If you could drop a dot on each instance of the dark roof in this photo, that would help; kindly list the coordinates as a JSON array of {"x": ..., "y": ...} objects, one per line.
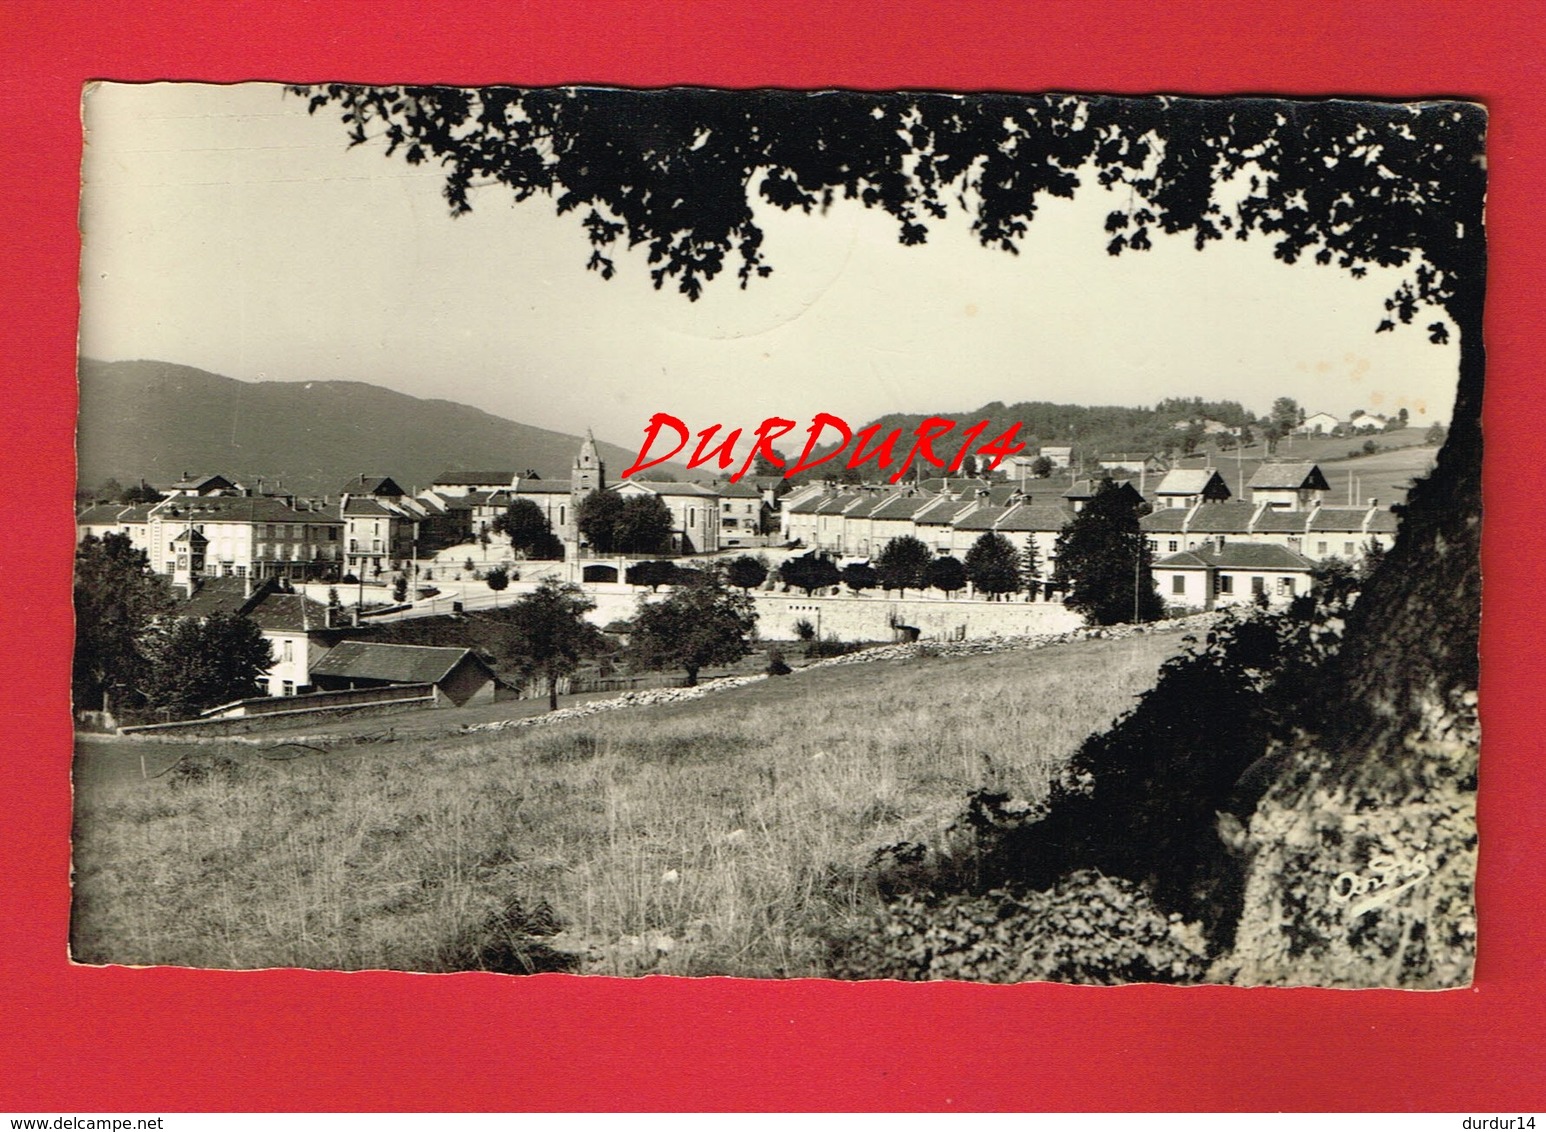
[
  {"x": 1351, "y": 519},
  {"x": 473, "y": 478},
  {"x": 902, "y": 507},
  {"x": 1222, "y": 518},
  {"x": 363, "y": 505},
  {"x": 1290, "y": 477},
  {"x": 867, "y": 506},
  {"x": 1238, "y": 556},
  {"x": 981, "y": 519},
  {"x": 1086, "y": 489},
  {"x": 191, "y": 536},
  {"x": 543, "y": 487},
  {"x": 941, "y": 511},
  {"x": 101, "y": 513},
  {"x": 216, "y": 595},
  {"x": 399, "y": 664},
  {"x": 674, "y": 488},
  {"x": 837, "y": 504},
  {"x": 808, "y": 505},
  {"x": 240, "y": 509},
  {"x": 1384, "y": 521},
  {"x": 1273, "y": 521},
  {"x": 738, "y": 491},
  {"x": 1034, "y": 517},
  {"x": 279, "y": 612},
  {"x": 371, "y": 485},
  {"x": 1164, "y": 519}
]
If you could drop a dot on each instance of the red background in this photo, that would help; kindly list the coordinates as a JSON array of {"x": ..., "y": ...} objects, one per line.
[{"x": 122, "y": 1040}]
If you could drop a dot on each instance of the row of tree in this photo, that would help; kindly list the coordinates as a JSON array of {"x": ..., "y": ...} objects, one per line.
[{"x": 129, "y": 651}]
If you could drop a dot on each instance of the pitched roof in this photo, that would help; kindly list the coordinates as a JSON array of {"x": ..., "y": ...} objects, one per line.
[
  {"x": 675, "y": 488},
  {"x": 543, "y": 487},
  {"x": 460, "y": 478},
  {"x": 1237, "y": 556},
  {"x": 1165, "y": 519},
  {"x": 807, "y": 506},
  {"x": 941, "y": 511},
  {"x": 363, "y": 505},
  {"x": 1034, "y": 517},
  {"x": 1228, "y": 518},
  {"x": 216, "y": 595},
  {"x": 1186, "y": 481},
  {"x": 1289, "y": 477},
  {"x": 1273, "y": 521},
  {"x": 101, "y": 513},
  {"x": 400, "y": 664},
  {"x": 239, "y": 509},
  {"x": 1086, "y": 489},
  {"x": 837, "y": 504},
  {"x": 279, "y": 612},
  {"x": 902, "y": 507},
  {"x": 1385, "y": 522},
  {"x": 738, "y": 491},
  {"x": 982, "y": 519},
  {"x": 371, "y": 485}
]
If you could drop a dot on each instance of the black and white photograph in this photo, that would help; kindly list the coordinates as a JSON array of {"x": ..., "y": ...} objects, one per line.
[{"x": 999, "y": 537}]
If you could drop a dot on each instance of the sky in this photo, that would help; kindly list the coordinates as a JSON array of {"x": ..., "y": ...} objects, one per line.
[{"x": 224, "y": 228}]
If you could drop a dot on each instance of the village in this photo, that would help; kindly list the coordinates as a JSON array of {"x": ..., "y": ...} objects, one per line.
[{"x": 313, "y": 574}]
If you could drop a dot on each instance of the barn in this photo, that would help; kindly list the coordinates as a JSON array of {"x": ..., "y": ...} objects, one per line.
[{"x": 459, "y": 676}]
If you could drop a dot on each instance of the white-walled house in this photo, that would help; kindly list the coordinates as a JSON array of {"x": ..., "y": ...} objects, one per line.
[
  {"x": 1224, "y": 573},
  {"x": 695, "y": 519}
]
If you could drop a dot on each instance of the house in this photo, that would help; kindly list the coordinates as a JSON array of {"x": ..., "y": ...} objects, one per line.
[
  {"x": 1083, "y": 491},
  {"x": 202, "y": 486},
  {"x": 1060, "y": 455},
  {"x": 1221, "y": 573},
  {"x": 298, "y": 630},
  {"x": 460, "y": 482},
  {"x": 694, "y": 508},
  {"x": 1135, "y": 464},
  {"x": 379, "y": 535},
  {"x": 458, "y": 675},
  {"x": 1319, "y": 423},
  {"x": 1288, "y": 487},
  {"x": 744, "y": 512},
  {"x": 244, "y": 536},
  {"x": 1187, "y": 487}
]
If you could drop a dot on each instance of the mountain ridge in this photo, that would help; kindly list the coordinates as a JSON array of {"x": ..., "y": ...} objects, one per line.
[{"x": 156, "y": 420}]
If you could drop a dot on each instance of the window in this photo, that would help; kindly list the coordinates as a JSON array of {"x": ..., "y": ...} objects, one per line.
[
  {"x": 288, "y": 652},
  {"x": 1226, "y": 583},
  {"x": 1348, "y": 548},
  {"x": 1320, "y": 548},
  {"x": 289, "y": 688},
  {"x": 1175, "y": 545},
  {"x": 1258, "y": 585},
  {"x": 1285, "y": 587},
  {"x": 241, "y": 571},
  {"x": 1178, "y": 584}
]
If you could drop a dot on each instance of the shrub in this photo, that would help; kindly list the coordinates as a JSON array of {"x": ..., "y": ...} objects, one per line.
[
  {"x": 1088, "y": 929},
  {"x": 804, "y": 630},
  {"x": 777, "y": 666}
]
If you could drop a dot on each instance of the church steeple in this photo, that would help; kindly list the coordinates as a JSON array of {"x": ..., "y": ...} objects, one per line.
[{"x": 588, "y": 475}]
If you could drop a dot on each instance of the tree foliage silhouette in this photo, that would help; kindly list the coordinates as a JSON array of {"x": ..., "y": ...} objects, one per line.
[{"x": 1342, "y": 184}]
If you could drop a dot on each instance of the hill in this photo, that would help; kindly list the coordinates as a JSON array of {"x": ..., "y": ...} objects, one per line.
[{"x": 157, "y": 420}]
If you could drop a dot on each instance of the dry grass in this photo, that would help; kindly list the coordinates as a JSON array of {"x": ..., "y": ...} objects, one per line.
[{"x": 729, "y": 835}]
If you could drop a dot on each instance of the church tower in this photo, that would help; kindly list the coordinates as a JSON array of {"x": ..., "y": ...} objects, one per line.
[{"x": 588, "y": 474}]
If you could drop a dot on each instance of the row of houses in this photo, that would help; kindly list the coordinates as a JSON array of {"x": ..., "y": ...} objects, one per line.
[
  {"x": 212, "y": 527},
  {"x": 1209, "y": 548}
]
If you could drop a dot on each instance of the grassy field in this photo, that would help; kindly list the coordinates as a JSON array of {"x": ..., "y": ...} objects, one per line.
[
  {"x": 728, "y": 835},
  {"x": 1385, "y": 475}
]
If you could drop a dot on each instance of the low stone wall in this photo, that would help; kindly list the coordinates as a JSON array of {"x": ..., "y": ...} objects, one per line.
[
  {"x": 188, "y": 729},
  {"x": 871, "y": 618}
]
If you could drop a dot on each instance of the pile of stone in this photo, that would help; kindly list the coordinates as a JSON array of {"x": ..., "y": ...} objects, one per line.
[
  {"x": 646, "y": 697},
  {"x": 983, "y": 645}
]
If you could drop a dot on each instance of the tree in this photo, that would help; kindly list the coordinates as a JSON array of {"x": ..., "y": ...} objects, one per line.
[
  {"x": 699, "y": 624},
  {"x": 809, "y": 572},
  {"x": 992, "y": 565},
  {"x": 549, "y": 635},
  {"x": 527, "y": 527},
  {"x": 947, "y": 574},
  {"x": 596, "y": 517},
  {"x": 400, "y": 588},
  {"x": 653, "y": 573},
  {"x": 1345, "y": 185},
  {"x": 1030, "y": 567},
  {"x": 497, "y": 579},
  {"x": 199, "y": 663},
  {"x": 1103, "y": 562},
  {"x": 117, "y": 601},
  {"x": 1285, "y": 414},
  {"x": 643, "y": 526},
  {"x": 860, "y": 576},
  {"x": 1041, "y": 467},
  {"x": 1436, "y": 434},
  {"x": 746, "y": 572},
  {"x": 904, "y": 564}
]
